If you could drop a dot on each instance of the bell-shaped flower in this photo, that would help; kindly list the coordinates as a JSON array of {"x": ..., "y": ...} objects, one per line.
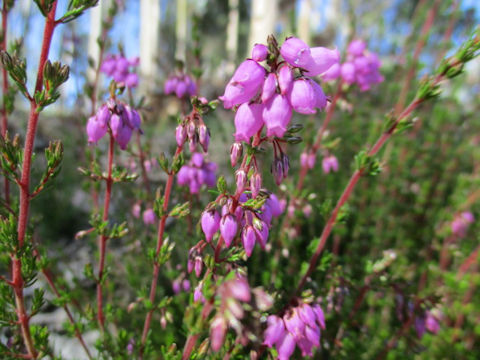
[
  {"x": 244, "y": 84},
  {"x": 276, "y": 115},
  {"x": 248, "y": 121},
  {"x": 95, "y": 129},
  {"x": 285, "y": 79},
  {"x": 269, "y": 87},
  {"x": 348, "y": 72},
  {"x": 228, "y": 229},
  {"x": 275, "y": 331},
  {"x": 332, "y": 73},
  {"x": 321, "y": 102},
  {"x": 149, "y": 217},
  {"x": 323, "y": 60},
  {"x": 286, "y": 346},
  {"x": 356, "y": 47},
  {"x": 296, "y": 52},
  {"x": 248, "y": 239},
  {"x": 302, "y": 97},
  {"x": 210, "y": 223}
]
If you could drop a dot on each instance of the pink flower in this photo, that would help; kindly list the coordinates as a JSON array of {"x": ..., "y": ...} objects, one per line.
[
  {"x": 228, "y": 229},
  {"x": 276, "y": 115},
  {"x": 149, "y": 217},
  {"x": 296, "y": 52},
  {"x": 323, "y": 60},
  {"x": 330, "y": 163},
  {"x": 269, "y": 87},
  {"x": 210, "y": 223},
  {"x": 302, "y": 97},
  {"x": 248, "y": 121},
  {"x": 248, "y": 239},
  {"x": 245, "y": 83},
  {"x": 356, "y": 47}
]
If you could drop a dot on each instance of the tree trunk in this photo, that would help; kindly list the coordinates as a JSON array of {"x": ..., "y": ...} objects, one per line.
[
  {"x": 264, "y": 14},
  {"x": 303, "y": 20},
  {"x": 181, "y": 30},
  {"x": 95, "y": 29},
  {"x": 232, "y": 34},
  {"x": 149, "y": 43}
]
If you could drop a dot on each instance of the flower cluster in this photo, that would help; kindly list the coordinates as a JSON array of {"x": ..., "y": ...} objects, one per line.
[
  {"x": 197, "y": 172},
  {"x": 300, "y": 325},
  {"x": 361, "y": 67},
  {"x": 117, "y": 118},
  {"x": 180, "y": 85},
  {"x": 119, "y": 68},
  {"x": 267, "y": 96},
  {"x": 461, "y": 223},
  {"x": 195, "y": 131},
  {"x": 180, "y": 284},
  {"x": 253, "y": 224},
  {"x": 232, "y": 293}
]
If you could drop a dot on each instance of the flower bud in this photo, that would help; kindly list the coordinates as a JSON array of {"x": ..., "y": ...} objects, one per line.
[
  {"x": 259, "y": 52},
  {"x": 149, "y": 217},
  {"x": 236, "y": 152},
  {"x": 191, "y": 129},
  {"x": 255, "y": 184},
  {"x": 285, "y": 165},
  {"x": 198, "y": 266},
  {"x": 180, "y": 135},
  {"x": 277, "y": 171},
  {"x": 248, "y": 239},
  {"x": 240, "y": 179},
  {"x": 204, "y": 137},
  {"x": 136, "y": 210}
]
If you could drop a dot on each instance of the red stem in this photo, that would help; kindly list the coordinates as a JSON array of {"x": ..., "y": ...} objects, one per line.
[
  {"x": 102, "y": 240},
  {"x": 156, "y": 266},
  {"x": 24, "y": 184},
  {"x": 141, "y": 156},
  {"x": 348, "y": 191}
]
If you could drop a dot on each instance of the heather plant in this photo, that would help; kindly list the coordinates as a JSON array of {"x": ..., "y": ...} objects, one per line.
[{"x": 319, "y": 214}]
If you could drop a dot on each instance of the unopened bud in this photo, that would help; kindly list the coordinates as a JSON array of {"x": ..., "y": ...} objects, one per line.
[
  {"x": 236, "y": 152},
  {"x": 180, "y": 135},
  {"x": 255, "y": 184},
  {"x": 240, "y": 179}
]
